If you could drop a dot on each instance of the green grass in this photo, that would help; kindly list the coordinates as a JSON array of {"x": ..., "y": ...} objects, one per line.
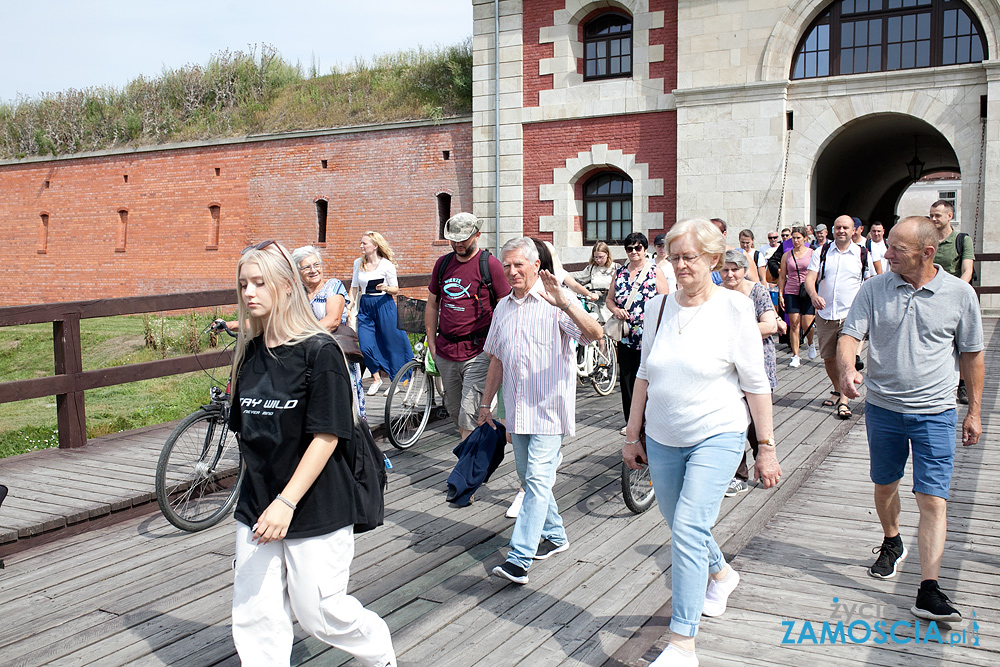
[
  {"x": 26, "y": 352},
  {"x": 239, "y": 93}
]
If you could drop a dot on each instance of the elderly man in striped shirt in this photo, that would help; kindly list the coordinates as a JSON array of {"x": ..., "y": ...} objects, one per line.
[{"x": 530, "y": 347}]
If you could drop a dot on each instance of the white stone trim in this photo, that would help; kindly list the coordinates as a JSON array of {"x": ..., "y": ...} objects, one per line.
[
  {"x": 571, "y": 96},
  {"x": 566, "y": 208}
]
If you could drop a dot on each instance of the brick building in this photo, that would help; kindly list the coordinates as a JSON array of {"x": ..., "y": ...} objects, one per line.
[
  {"x": 762, "y": 112},
  {"x": 167, "y": 219}
]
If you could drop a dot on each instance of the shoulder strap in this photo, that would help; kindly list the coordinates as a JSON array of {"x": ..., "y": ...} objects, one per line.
[
  {"x": 639, "y": 280},
  {"x": 822, "y": 263},
  {"x": 442, "y": 268},
  {"x": 960, "y": 246},
  {"x": 868, "y": 245},
  {"x": 485, "y": 277},
  {"x": 864, "y": 261}
]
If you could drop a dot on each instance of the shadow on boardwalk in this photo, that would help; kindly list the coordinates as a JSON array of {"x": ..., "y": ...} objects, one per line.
[{"x": 138, "y": 591}]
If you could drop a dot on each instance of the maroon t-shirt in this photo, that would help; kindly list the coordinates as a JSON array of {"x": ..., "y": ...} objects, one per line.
[{"x": 464, "y": 304}]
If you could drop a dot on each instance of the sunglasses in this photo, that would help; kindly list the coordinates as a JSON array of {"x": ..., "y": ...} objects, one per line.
[
  {"x": 264, "y": 244},
  {"x": 634, "y": 248}
]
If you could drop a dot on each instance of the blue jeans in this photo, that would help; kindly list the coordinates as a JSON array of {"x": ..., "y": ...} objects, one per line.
[
  {"x": 535, "y": 457},
  {"x": 690, "y": 483}
]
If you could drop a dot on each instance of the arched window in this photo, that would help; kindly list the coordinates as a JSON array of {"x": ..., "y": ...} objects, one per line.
[
  {"x": 607, "y": 47},
  {"x": 607, "y": 208},
  {"x": 855, "y": 36}
]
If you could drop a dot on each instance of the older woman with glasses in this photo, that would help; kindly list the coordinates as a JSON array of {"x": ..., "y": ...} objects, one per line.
[
  {"x": 634, "y": 284},
  {"x": 734, "y": 273},
  {"x": 701, "y": 357},
  {"x": 328, "y": 300}
]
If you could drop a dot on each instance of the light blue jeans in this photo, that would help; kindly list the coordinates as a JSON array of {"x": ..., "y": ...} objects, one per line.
[
  {"x": 536, "y": 458},
  {"x": 690, "y": 483}
]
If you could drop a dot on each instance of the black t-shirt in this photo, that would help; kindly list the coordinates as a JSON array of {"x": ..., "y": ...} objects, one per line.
[{"x": 277, "y": 406}]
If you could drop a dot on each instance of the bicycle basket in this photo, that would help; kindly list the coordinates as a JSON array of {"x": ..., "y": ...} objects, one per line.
[{"x": 410, "y": 314}]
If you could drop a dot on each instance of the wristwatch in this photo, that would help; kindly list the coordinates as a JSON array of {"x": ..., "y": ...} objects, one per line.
[{"x": 769, "y": 441}]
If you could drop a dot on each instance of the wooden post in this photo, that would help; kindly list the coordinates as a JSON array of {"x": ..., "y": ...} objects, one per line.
[{"x": 69, "y": 361}]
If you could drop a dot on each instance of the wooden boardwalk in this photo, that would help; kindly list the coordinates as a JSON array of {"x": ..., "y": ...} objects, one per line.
[{"x": 137, "y": 591}]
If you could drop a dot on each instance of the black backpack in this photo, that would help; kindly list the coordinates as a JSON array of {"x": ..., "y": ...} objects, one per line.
[{"x": 484, "y": 274}]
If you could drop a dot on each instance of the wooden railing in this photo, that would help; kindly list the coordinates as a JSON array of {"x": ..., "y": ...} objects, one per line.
[
  {"x": 70, "y": 381},
  {"x": 987, "y": 257}
]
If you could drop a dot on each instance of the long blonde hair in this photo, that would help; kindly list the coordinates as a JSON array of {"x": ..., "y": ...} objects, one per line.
[
  {"x": 291, "y": 320},
  {"x": 382, "y": 248},
  {"x": 601, "y": 246}
]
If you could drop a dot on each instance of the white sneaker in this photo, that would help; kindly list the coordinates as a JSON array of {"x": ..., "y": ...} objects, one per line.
[
  {"x": 673, "y": 656},
  {"x": 372, "y": 390},
  {"x": 717, "y": 595},
  {"x": 388, "y": 387},
  {"x": 515, "y": 507},
  {"x": 812, "y": 351},
  {"x": 624, "y": 428},
  {"x": 794, "y": 363}
]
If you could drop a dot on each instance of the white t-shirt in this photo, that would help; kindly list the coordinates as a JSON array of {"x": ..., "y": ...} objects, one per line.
[
  {"x": 877, "y": 250},
  {"x": 698, "y": 371},
  {"x": 668, "y": 270},
  {"x": 384, "y": 272}
]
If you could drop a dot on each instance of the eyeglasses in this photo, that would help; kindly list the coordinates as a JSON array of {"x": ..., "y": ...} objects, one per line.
[
  {"x": 688, "y": 259},
  {"x": 315, "y": 266},
  {"x": 264, "y": 244},
  {"x": 634, "y": 248}
]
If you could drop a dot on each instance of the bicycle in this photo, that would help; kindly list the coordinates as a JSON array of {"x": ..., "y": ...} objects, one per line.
[
  {"x": 199, "y": 471},
  {"x": 410, "y": 399},
  {"x": 637, "y": 489},
  {"x": 597, "y": 361}
]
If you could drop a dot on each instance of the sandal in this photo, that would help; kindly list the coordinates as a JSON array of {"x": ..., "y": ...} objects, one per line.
[
  {"x": 843, "y": 411},
  {"x": 830, "y": 402}
]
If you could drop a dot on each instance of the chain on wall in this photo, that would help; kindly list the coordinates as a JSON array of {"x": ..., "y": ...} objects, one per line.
[
  {"x": 982, "y": 181},
  {"x": 784, "y": 178}
]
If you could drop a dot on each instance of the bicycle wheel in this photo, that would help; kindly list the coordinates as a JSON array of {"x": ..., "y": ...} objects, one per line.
[
  {"x": 637, "y": 489},
  {"x": 605, "y": 368},
  {"x": 199, "y": 472},
  {"x": 408, "y": 405}
]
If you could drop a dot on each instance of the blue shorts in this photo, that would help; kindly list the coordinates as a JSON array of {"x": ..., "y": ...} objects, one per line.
[
  {"x": 890, "y": 436},
  {"x": 798, "y": 304}
]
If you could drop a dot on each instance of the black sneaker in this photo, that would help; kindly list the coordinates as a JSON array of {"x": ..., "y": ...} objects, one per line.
[
  {"x": 963, "y": 395},
  {"x": 932, "y": 604},
  {"x": 889, "y": 555},
  {"x": 515, "y": 573},
  {"x": 548, "y": 548}
]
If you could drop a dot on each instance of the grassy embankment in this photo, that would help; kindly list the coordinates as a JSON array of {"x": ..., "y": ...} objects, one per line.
[
  {"x": 26, "y": 352},
  {"x": 237, "y": 94}
]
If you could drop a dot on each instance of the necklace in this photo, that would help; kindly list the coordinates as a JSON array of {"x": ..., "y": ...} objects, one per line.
[{"x": 680, "y": 327}]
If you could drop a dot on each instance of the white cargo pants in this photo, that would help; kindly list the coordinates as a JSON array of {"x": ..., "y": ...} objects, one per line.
[{"x": 306, "y": 576}]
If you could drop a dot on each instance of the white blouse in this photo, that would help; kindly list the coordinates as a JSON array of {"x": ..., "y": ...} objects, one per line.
[
  {"x": 699, "y": 362},
  {"x": 384, "y": 272}
]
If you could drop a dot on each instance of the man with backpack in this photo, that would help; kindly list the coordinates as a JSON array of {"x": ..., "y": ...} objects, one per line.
[
  {"x": 464, "y": 288},
  {"x": 955, "y": 255},
  {"x": 835, "y": 274}
]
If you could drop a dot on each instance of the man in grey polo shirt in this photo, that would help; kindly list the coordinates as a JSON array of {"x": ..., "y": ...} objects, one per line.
[{"x": 922, "y": 325}]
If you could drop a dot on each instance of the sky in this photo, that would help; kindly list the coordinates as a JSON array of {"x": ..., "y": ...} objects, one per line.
[{"x": 61, "y": 44}]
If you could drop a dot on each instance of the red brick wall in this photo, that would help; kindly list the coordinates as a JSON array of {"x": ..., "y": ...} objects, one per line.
[
  {"x": 538, "y": 14},
  {"x": 385, "y": 180},
  {"x": 651, "y": 137}
]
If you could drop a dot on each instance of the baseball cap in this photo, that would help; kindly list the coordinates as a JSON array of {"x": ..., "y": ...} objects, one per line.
[
  {"x": 660, "y": 239},
  {"x": 857, "y": 222},
  {"x": 821, "y": 228},
  {"x": 461, "y": 227}
]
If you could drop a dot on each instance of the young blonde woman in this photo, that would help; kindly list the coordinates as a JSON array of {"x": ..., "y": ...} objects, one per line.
[
  {"x": 385, "y": 348},
  {"x": 292, "y": 408}
]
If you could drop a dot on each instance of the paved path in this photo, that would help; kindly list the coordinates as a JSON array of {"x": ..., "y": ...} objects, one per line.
[{"x": 140, "y": 592}]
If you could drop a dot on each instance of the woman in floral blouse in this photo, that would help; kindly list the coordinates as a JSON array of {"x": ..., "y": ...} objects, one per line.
[{"x": 638, "y": 276}]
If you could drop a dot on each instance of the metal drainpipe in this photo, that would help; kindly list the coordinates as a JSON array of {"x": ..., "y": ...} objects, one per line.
[{"x": 496, "y": 120}]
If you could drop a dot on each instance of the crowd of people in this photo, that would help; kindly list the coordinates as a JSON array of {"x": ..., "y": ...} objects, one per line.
[{"x": 695, "y": 327}]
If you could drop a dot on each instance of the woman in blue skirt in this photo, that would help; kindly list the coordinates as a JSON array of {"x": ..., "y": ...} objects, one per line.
[{"x": 385, "y": 348}]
